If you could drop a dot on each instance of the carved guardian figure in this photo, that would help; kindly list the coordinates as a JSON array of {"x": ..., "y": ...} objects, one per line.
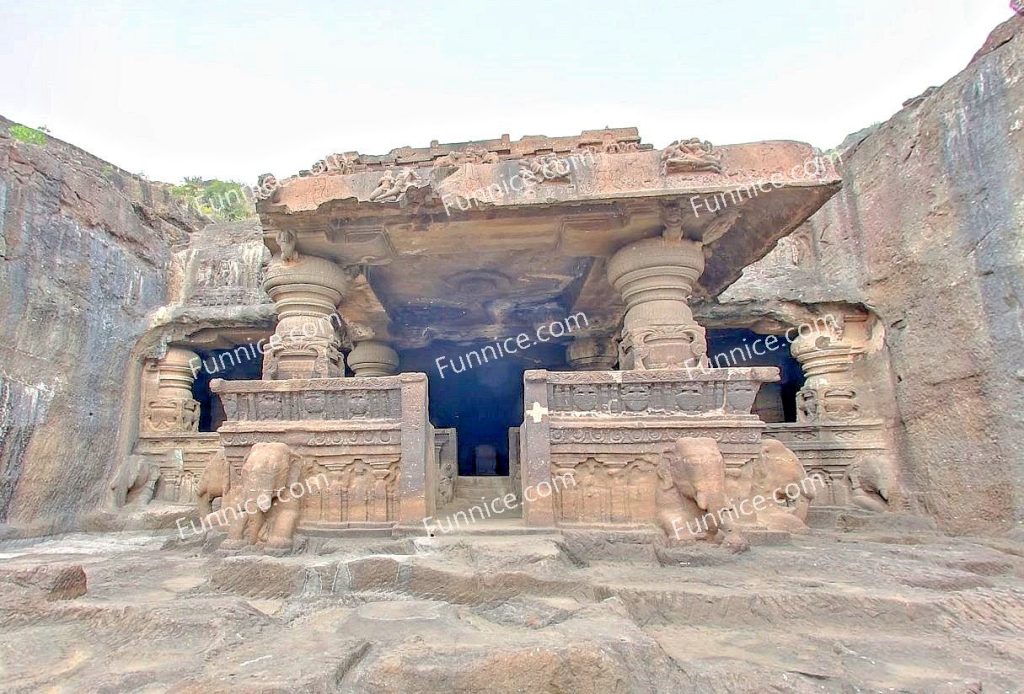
[
  {"x": 214, "y": 483},
  {"x": 779, "y": 477},
  {"x": 134, "y": 483},
  {"x": 691, "y": 499},
  {"x": 268, "y": 508}
]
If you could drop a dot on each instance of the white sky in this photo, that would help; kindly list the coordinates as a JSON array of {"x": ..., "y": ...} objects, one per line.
[{"x": 235, "y": 89}]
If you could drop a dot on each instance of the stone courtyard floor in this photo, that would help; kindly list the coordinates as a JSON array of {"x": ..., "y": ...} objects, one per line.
[{"x": 827, "y": 612}]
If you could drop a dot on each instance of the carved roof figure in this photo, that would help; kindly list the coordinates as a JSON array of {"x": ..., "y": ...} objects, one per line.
[
  {"x": 391, "y": 188},
  {"x": 690, "y": 155}
]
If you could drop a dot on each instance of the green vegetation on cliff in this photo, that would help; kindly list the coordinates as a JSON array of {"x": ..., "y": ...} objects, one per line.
[
  {"x": 23, "y": 133},
  {"x": 224, "y": 201}
]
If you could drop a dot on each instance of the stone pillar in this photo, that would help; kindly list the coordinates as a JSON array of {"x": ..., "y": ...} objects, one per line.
[
  {"x": 373, "y": 358},
  {"x": 171, "y": 407},
  {"x": 306, "y": 292},
  {"x": 535, "y": 452},
  {"x": 656, "y": 277},
  {"x": 828, "y": 393},
  {"x": 594, "y": 353}
]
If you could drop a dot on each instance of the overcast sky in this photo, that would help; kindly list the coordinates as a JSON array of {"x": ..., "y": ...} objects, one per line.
[{"x": 235, "y": 89}]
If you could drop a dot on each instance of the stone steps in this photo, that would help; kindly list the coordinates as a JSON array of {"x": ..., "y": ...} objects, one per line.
[{"x": 490, "y": 487}]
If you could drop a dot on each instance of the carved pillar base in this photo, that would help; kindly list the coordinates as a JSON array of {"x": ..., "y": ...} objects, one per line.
[
  {"x": 656, "y": 277},
  {"x": 373, "y": 358},
  {"x": 306, "y": 292}
]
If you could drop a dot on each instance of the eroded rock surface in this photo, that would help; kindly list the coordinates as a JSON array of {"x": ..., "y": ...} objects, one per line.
[
  {"x": 84, "y": 251},
  {"x": 926, "y": 233},
  {"x": 831, "y": 612}
]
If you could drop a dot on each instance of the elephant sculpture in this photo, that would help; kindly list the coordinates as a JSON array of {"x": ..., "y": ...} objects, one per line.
[
  {"x": 214, "y": 483},
  {"x": 134, "y": 483},
  {"x": 691, "y": 499},
  {"x": 780, "y": 479},
  {"x": 267, "y": 507},
  {"x": 870, "y": 485}
]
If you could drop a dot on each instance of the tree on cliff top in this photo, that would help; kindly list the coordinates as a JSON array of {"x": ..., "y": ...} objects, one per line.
[{"x": 224, "y": 201}]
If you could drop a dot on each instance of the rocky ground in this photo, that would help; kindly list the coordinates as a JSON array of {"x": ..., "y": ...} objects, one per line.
[{"x": 874, "y": 610}]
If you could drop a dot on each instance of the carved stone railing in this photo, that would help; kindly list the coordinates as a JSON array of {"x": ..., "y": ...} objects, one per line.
[
  {"x": 607, "y": 430},
  {"x": 182, "y": 457},
  {"x": 828, "y": 450},
  {"x": 369, "y": 437}
]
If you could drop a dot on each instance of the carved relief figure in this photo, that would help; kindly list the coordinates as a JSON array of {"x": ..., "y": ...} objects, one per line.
[
  {"x": 690, "y": 156},
  {"x": 691, "y": 494},
  {"x": 391, "y": 188},
  {"x": 134, "y": 483},
  {"x": 547, "y": 168},
  {"x": 270, "y": 512},
  {"x": 779, "y": 477},
  {"x": 470, "y": 155},
  {"x": 214, "y": 483},
  {"x": 807, "y": 405},
  {"x": 841, "y": 404},
  {"x": 287, "y": 241},
  {"x": 168, "y": 415}
]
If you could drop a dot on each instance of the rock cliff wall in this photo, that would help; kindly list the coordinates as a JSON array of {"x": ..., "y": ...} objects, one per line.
[
  {"x": 928, "y": 233},
  {"x": 84, "y": 255}
]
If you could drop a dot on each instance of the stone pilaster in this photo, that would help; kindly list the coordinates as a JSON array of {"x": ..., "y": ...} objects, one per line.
[
  {"x": 373, "y": 358},
  {"x": 306, "y": 291},
  {"x": 656, "y": 277},
  {"x": 593, "y": 353},
  {"x": 828, "y": 393},
  {"x": 170, "y": 407}
]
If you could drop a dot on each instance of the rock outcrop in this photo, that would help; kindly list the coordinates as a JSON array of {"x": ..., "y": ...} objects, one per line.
[{"x": 926, "y": 233}]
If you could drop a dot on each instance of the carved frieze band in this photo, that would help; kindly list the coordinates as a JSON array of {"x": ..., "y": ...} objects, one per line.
[
  {"x": 378, "y": 437},
  {"x": 313, "y": 405},
  {"x": 566, "y": 435},
  {"x": 692, "y": 397}
]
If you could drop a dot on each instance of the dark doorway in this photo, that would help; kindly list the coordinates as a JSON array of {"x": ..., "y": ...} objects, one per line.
[
  {"x": 241, "y": 362},
  {"x": 776, "y": 402},
  {"x": 484, "y": 398}
]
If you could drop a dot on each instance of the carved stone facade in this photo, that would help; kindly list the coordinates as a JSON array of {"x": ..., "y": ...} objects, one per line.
[
  {"x": 368, "y": 437},
  {"x": 369, "y": 239},
  {"x": 609, "y": 430}
]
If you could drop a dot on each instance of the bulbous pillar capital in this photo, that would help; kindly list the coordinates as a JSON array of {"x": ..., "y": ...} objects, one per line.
[
  {"x": 373, "y": 358},
  {"x": 656, "y": 278},
  {"x": 306, "y": 291},
  {"x": 172, "y": 409},
  {"x": 828, "y": 393}
]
